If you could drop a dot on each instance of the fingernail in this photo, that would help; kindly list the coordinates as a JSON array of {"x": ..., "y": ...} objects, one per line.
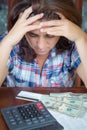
[
  {"x": 42, "y": 14},
  {"x": 41, "y": 24}
]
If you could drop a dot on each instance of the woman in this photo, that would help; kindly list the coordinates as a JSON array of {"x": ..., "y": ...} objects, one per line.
[{"x": 45, "y": 45}]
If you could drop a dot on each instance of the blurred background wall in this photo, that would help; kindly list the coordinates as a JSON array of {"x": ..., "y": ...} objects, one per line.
[
  {"x": 84, "y": 15},
  {"x": 3, "y": 16}
]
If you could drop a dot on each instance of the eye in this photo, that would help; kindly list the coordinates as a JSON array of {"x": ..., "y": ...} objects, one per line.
[
  {"x": 49, "y": 36},
  {"x": 32, "y": 34}
]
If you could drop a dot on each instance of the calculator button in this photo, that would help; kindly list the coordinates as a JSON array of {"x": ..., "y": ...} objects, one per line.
[{"x": 39, "y": 106}]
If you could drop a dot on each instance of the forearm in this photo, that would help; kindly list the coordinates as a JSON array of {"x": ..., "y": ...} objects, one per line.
[
  {"x": 82, "y": 48},
  {"x": 5, "y": 49}
]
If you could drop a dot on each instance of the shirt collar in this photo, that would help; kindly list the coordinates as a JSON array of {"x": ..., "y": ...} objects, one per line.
[{"x": 52, "y": 53}]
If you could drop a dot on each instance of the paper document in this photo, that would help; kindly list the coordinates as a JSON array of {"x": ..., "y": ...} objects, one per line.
[
  {"x": 29, "y": 95},
  {"x": 70, "y": 123}
]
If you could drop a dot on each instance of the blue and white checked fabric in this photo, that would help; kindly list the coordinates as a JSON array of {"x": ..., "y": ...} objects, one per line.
[{"x": 58, "y": 70}]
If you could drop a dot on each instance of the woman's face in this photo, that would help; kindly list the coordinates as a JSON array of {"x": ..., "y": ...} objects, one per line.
[{"x": 41, "y": 42}]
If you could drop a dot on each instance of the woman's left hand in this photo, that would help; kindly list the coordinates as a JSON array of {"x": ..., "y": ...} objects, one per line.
[{"x": 62, "y": 27}]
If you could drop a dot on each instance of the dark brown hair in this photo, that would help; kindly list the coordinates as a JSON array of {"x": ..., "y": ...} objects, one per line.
[{"x": 48, "y": 7}]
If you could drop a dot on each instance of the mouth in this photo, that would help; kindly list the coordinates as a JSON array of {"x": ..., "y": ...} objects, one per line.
[{"x": 40, "y": 51}]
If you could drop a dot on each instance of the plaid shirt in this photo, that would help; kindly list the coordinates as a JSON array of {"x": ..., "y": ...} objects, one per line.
[{"x": 58, "y": 70}]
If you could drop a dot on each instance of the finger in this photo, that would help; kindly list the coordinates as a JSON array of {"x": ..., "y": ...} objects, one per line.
[
  {"x": 51, "y": 29},
  {"x": 27, "y": 12},
  {"x": 51, "y": 23},
  {"x": 58, "y": 33},
  {"x": 34, "y": 18},
  {"x": 32, "y": 27}
]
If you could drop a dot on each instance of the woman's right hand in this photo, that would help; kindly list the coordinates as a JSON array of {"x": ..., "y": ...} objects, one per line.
[{"x": 22, "y": 26}]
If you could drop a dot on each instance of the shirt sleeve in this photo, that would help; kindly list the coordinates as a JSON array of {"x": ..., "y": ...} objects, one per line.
[
  {"x": 75, "y": 58},
  {"x": 12, "y": 61}
]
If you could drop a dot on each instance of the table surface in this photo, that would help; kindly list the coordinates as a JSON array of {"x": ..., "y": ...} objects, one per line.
[{"x": 7, "y": 96}]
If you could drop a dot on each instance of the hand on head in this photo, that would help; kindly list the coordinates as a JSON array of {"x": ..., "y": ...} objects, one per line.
[
  {"x": 61, "y": 27},
  {"x": 22, "y": 26}
]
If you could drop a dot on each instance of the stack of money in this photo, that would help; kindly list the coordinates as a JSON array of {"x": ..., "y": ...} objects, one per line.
[{"x": 68, "y": 103}]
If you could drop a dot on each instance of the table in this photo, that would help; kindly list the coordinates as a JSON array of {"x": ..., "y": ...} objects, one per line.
[{"x": 7, "y": 96}]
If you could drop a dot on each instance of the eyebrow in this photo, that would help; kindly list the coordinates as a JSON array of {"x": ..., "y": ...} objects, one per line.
[
  {"x": 33, "y": 33},
  {"x": 38, "y": 35}
]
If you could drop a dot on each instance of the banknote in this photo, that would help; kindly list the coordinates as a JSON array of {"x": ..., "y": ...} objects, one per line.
[
  {"x": 70, "y": 110},
  {"x": 84, "y": 97},
  {"x": 49, "y": 101},
  {"x": 66, "y": 94},
  {"x": 80, "y": 95},
  {"x": 76, "y": 101},
  {"x": 68, "y": 103},
  {"x": 82, "y": 112}
]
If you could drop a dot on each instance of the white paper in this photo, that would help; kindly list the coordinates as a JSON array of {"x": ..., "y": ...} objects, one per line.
[
  {"x": 31, "y": 95},
  {"x": 70, "y": 123}
]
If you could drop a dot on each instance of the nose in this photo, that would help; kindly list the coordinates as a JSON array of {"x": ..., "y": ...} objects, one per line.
[{"x": 41, "y": 43}]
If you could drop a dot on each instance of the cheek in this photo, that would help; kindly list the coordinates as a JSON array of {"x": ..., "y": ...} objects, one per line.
[
  {"x": 53, "y": 42},
  {"x": 32, "y": 41}
]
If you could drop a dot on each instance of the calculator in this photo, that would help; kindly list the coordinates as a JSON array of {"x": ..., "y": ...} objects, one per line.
[{"x": 30, "y": 116}]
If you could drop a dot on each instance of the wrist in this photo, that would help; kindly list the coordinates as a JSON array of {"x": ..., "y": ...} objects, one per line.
[
  {"x": 6, "y": 45},
  {"x": 82, "y": 39},
  {"x": 7, "y": 42}
]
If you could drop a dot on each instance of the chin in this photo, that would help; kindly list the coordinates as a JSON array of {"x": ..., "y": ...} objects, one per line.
[{"x": 42, "y": 54}]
